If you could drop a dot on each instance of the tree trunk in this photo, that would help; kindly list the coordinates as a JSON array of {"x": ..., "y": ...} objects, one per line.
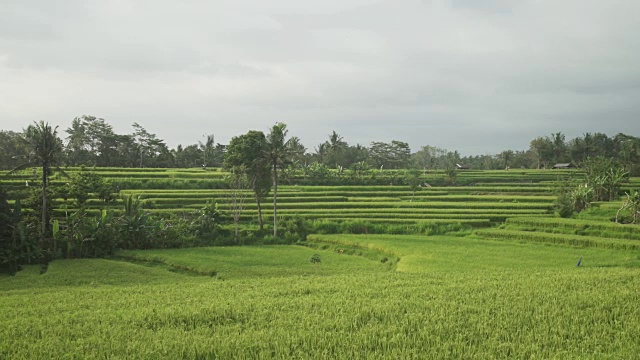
[
  {"x": 13, "y": 263},
  {"x": 260, "y": 214},
  {"x": 43, "y": 229},
  {"x": 275, "y": 195}
]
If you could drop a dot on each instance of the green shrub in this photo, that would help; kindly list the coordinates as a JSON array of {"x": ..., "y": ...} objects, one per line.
[{"x": 563, "y": 205}]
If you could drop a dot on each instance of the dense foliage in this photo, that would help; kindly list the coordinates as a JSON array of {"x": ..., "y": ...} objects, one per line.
[
  {"x": 93, "y": 211},
  {"x": 91, "y": 141}
]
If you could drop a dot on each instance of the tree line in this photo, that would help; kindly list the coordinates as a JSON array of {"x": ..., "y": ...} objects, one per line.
[
  {"x": 92, "y": 141},
  {"x": 257, "y": 162}
]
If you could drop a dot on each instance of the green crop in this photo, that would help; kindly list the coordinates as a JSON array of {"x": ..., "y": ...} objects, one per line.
[
  {"x": 577, "y": 224},
  {"x": 565, "y": 239},
  {"x": 419, "y": 297}
]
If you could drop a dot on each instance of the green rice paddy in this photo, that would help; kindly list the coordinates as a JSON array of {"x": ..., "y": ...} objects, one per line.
[{"x": 504, "y": 282}]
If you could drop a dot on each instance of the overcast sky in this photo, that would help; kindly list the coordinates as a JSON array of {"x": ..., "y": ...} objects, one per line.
[{"x": 479, "y": 76}]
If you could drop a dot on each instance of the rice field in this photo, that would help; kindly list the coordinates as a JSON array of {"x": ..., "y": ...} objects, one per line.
[
  {"x": 403, "y": 297},
  {"x": 502, "y": 283},
  {"x": 491, "y": 196}
]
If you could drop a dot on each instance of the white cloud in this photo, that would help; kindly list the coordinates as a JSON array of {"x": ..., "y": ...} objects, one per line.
[{"x": 461, "y": 74}]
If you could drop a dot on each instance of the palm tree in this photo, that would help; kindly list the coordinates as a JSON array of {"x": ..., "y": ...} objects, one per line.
[
  {"x": 278, "y": 153},
  {"x": 47, "y": 150},
  {"x": 336, "y": 140},
  {"x": 208, "y": 150},
  {"x": 336, "y": 148},
  {"x": 559, "y": 147}
]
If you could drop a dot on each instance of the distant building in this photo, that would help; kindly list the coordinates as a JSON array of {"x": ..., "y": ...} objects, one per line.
[
  {"x": 462, "y": 167},
  {"x": 564, "y": 166}
]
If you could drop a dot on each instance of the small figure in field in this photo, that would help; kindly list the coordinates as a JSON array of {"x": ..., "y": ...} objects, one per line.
[{"x": 579, "y": 261}]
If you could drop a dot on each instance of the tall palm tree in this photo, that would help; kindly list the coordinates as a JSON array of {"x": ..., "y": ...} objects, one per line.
[
  {"x": 321, "y": 152},
  {"x": 47, "y": 150},
  {"x": 336, "y": 149},
  {"x": 278, "y": 153},
  {"x": 559, "y": 147}
]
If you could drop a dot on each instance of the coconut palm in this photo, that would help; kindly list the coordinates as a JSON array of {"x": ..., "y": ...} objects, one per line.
[
  {"x": 279, "y": 153},
  {"x": 46, "y": 148}
]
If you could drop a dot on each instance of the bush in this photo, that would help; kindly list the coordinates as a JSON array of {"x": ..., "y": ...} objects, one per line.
[
  {"x": 564, "y": 206},
  {"x": 271, "y": 240},
  {"x": 294, "y": 229},
  {"x": 324, "y": 227}
]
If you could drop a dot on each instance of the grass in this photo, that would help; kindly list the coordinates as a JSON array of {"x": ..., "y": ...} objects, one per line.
[
  {"x": 422, "y": 254},
  {"x": 406, "y": 205},
  {"x": 565, "y": 239},
  {"x": 254, "y": 261},
  {"x": 482, "y": 198},
  {"x": 449, "y": 298},
  {"x": 576, "y": 226}
]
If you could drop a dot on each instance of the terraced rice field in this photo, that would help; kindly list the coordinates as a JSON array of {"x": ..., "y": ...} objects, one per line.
[
  {"x": 392, "y": 203},
  {"x": 511, "y": 288},
  {"x": 497, "y": 201},
  {"x": 592, "y": 233},
  {"x": 489, "y": 197}
]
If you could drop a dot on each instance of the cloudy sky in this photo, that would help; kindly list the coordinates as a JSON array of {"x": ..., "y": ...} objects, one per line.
[{"x": 478, "y": 76}]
